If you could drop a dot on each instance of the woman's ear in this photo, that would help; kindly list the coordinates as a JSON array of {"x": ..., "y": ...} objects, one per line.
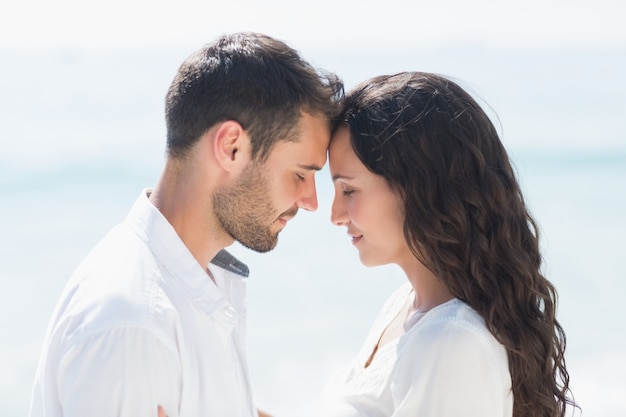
[{"x": 231, "y": 146}]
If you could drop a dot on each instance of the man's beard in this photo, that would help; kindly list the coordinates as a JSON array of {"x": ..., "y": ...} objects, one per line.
[{"x": 245, "y": 210}]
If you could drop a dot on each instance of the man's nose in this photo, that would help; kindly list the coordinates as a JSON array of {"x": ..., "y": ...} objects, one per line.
[{"x": 308, "y": 198}]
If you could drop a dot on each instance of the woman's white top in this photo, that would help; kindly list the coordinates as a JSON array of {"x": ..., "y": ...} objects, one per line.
[{"x": 446, "y": 364}]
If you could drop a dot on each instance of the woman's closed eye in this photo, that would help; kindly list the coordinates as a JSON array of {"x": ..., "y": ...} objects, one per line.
[{"x": 347, "y": 193}]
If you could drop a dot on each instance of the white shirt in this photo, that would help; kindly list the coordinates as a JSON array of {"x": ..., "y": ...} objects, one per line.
[
  {"x": 446, "y": 364},
  {"x": 141, "y": 324}
]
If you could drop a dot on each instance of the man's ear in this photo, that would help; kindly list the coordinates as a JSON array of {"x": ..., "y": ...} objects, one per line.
[{"x": 231, "y": 146}]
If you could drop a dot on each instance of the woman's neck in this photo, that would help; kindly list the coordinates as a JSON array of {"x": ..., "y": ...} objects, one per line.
[{"x": 429, "y": 290}]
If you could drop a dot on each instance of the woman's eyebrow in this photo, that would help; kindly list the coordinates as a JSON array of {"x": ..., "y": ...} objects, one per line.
[{"x": 340, "y": 177}]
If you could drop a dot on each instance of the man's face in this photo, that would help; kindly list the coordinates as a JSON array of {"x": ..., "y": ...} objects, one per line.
[{"x": 268, "y": 194}]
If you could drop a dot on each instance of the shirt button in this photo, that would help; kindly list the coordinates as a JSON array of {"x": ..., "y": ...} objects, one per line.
[{"x": 229, "y": 312}]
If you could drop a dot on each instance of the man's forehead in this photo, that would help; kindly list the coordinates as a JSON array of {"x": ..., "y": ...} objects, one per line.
[{"x": 306, "y": 154}]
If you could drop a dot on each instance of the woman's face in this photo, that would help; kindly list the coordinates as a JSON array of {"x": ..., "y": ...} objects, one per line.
[{"x": 371, "y": 211}]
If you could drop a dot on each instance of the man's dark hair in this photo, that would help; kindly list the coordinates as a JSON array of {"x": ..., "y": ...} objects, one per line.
[{"x": 251, "y": 78}]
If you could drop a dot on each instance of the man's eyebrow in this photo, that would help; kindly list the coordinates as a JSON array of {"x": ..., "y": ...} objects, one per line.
[{"x": 310, "y": 167}]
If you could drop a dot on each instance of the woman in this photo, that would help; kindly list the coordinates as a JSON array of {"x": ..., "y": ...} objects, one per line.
[{"x": 422, "y": 181}]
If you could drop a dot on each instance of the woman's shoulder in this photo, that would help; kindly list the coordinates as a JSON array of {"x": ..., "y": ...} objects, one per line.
[
  {"x": 454, "y": 315},
  {"x": 450, "y": 352},
  {"x": 452, "y": 341},
  {"x": 455, "y": 328},
  {"x": 457, "y": 313}
]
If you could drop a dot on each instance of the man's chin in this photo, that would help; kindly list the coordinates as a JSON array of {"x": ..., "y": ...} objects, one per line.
[
  {"x": 260, "y": 247},
  {"x": 263, "y": 250}
]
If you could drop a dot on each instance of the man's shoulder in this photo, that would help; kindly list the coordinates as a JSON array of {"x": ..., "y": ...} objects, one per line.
[{"x": 118, "y": 284}]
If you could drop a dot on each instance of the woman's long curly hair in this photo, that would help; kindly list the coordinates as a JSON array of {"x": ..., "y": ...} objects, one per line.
[{"x": 466, "y": 220}]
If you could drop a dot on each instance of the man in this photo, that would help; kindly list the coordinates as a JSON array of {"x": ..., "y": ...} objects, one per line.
[{"x": 155, "y": 315}]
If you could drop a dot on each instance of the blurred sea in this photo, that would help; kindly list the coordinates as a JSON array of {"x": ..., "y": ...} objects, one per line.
[{"x": 83, "y": 133}]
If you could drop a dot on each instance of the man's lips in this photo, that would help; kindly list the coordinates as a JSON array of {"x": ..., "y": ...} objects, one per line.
[
  {"x": 286, "y": 216},
  {"x": 284, "y": 220}
]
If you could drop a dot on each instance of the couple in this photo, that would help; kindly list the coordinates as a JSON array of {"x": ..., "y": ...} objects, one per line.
[{"x": 155, "y": 315}]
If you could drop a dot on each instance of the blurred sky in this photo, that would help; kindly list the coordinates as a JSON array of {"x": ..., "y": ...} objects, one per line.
[
  {"x": 537, "y": 23},
  {"x": 576, "y": 49}
]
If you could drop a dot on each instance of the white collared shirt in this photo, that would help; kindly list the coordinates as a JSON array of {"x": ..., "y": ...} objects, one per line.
[{"x": 141, "y": 324}]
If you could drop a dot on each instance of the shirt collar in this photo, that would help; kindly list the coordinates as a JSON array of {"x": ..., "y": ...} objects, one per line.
[
  {"x": 228, "y": 262},
  {"x": 172, "y": 254}
]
